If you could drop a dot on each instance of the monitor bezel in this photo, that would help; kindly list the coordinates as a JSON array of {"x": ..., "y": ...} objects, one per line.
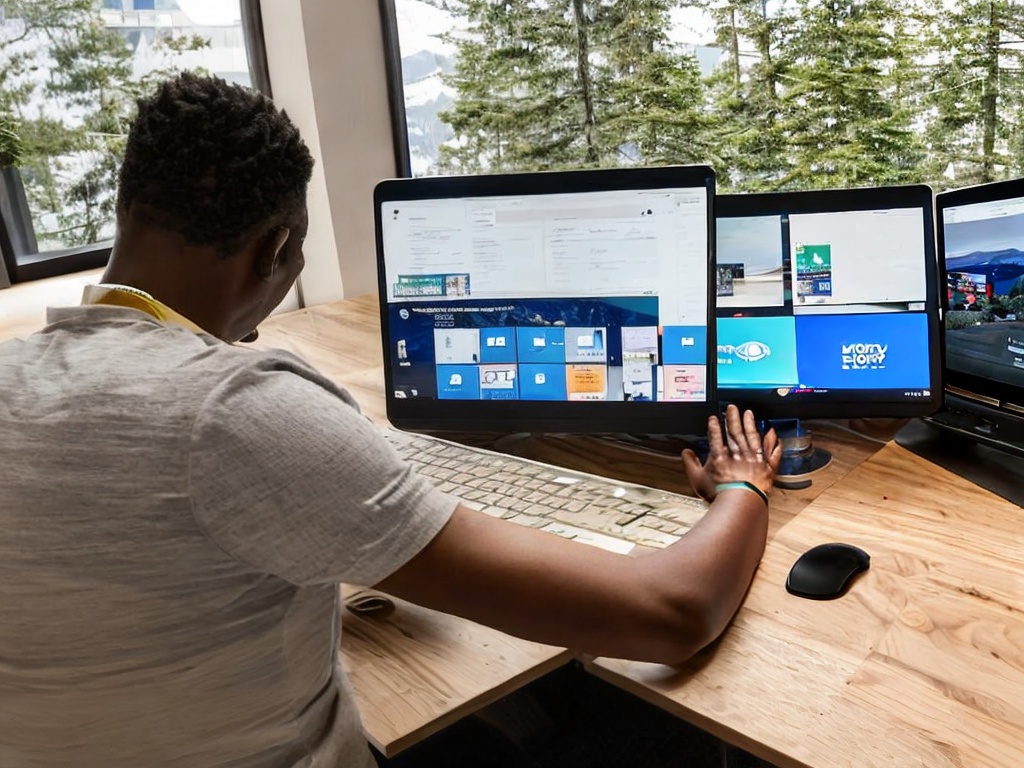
[
  {"x": 845, "y": 403},
  {"x": 439, "y": 415},
  {"x": 965, "y": 386}
]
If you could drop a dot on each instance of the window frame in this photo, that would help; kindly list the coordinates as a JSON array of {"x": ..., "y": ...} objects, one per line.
[
  {"x": 20, "y": 259},
  {"x": 396, "y": 91}
]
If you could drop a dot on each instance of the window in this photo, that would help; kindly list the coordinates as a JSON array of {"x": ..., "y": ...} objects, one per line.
[
  {"x": 70, "y": 73},
  {"x": 775, "y": 94}
]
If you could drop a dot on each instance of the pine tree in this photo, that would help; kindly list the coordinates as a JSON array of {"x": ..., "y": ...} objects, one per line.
[
  {"x": 505, "y": 50},
  {"x": 10, "y": 143},
  {"x": 976, "y": 101},
  {"x": 840, "y": 120},
  {"x": 746, "y": 94},
  {"x": 654, "y": 109},
  {"x": 571, "y": 84}
]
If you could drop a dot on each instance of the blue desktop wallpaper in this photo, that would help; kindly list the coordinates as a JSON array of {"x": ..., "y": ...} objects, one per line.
[{"x": 875, "y": 351}]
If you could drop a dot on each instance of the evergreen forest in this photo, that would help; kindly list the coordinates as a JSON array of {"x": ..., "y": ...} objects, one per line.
[{"x": 806, "y": 93}]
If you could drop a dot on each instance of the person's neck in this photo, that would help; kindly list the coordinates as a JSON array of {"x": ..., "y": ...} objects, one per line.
[
  {"x": 167, "y": 291},
  {"x": 157, "y": 263}
]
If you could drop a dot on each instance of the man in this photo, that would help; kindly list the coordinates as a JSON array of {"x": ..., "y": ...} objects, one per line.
[{"x": 177, "y": 510}]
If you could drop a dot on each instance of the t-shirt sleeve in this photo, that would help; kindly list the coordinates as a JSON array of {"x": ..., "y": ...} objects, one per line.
[{"x": 288, "y": 477}]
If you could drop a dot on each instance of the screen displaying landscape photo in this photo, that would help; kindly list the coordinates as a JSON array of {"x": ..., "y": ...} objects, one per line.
[{"x": 985, "y": 297}]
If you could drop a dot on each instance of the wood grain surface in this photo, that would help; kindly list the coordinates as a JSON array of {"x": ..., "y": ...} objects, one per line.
[
  {"x": 415, "y": 671},
  {"x": 920, "y": 664},
  {"x": 418, "y": 670}
]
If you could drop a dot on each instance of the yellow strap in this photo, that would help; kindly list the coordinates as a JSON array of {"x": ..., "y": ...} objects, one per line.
[{"x": 122, "y": 297}]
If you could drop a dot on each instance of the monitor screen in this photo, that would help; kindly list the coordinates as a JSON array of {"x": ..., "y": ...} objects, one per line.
[
  {"x": 828, "y": 303},
  {"x": 981, "y": 237},
  {"x": 574, "y": 301}
]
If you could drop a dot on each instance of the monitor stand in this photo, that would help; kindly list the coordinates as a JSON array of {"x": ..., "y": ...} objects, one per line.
[
  {"x": 997, "y": 469},
  {"x": 801, "y": 460}
]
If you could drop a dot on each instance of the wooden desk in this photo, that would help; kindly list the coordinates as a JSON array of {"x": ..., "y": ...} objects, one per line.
[
  {"x": 611, "y": 459},
  {"x": 921, "y": 664},
  {"x": 419, "y": 670}
]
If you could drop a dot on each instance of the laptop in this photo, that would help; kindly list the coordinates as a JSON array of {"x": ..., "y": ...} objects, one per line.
[
  {"x": 981, "y": 241},
  {"x": 567, "y": 301}
]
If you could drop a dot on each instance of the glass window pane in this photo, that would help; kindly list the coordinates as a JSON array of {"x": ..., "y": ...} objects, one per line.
[
  {"x": 776, "y": 94},
  {"x": 425, "y": 59},
  {"x": 70, "y": 74}
]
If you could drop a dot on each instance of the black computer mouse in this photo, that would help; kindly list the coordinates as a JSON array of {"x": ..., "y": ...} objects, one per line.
[{"x": 824, "y": 572}]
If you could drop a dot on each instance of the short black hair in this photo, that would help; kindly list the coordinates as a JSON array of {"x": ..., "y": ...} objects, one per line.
[{"x": 216, "y": 162}]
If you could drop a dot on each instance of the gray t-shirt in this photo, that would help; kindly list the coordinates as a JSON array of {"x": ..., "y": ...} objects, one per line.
[{"x": 175, "y": 515}]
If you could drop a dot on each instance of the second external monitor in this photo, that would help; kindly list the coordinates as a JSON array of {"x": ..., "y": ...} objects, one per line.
[{"x": 827, "y": 303}]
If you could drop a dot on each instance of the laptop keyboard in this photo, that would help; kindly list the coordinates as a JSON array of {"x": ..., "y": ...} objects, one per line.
[{"x": 588, "y": 508}]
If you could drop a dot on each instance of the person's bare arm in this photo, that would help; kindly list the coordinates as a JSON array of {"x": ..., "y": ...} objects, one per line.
[{"x": 661, "y": 607}]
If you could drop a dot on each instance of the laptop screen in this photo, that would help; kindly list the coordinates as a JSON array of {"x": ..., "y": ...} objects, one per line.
[
  {"x": 982, "y": 237},
  {"x": 827, "y": 303},
  {"x": 561, "y": 301}
]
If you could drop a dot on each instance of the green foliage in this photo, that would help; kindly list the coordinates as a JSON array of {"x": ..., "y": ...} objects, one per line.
[
  {"x": 842, "y": 124},
  {"x": 975, "y": 94},
  {"x": 10, "y": 143},
  {"x": 745, "y": 100},
  {"x": 1016, "y": 305},
  {"x": 68, "y": 81},
  {"x": 572, "y": 84},
  {"x": 808, "y": 94}
]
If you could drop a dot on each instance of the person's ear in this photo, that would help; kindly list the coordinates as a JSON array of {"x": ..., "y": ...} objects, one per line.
[{"x": 270, "y": 255}]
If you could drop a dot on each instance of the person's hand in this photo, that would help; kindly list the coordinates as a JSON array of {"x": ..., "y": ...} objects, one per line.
[{"x": 739, "y": 455}]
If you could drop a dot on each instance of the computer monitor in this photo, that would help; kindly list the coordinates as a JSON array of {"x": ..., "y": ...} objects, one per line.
[
  {"x": 575, "y": 301},
  {"x": 981, "y": 239},
  {"x": 828, "y": 303}
]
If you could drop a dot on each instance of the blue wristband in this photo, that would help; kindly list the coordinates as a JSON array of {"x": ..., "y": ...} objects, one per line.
[{"x": 742, "y": 485}]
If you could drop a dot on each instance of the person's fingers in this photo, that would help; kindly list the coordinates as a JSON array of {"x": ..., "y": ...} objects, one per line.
[
  {"x": 734, "y": 431},
  {"x": 715, "y": 445},
  {"x": 691, "y": 464},
  {"x": 753, "y": 437},
  {"x": 691, "y": 460},
  {"x": 695, "y": 474},
  {"x": 769, "y": 442},
  {"x": 775, "y": 457}
]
